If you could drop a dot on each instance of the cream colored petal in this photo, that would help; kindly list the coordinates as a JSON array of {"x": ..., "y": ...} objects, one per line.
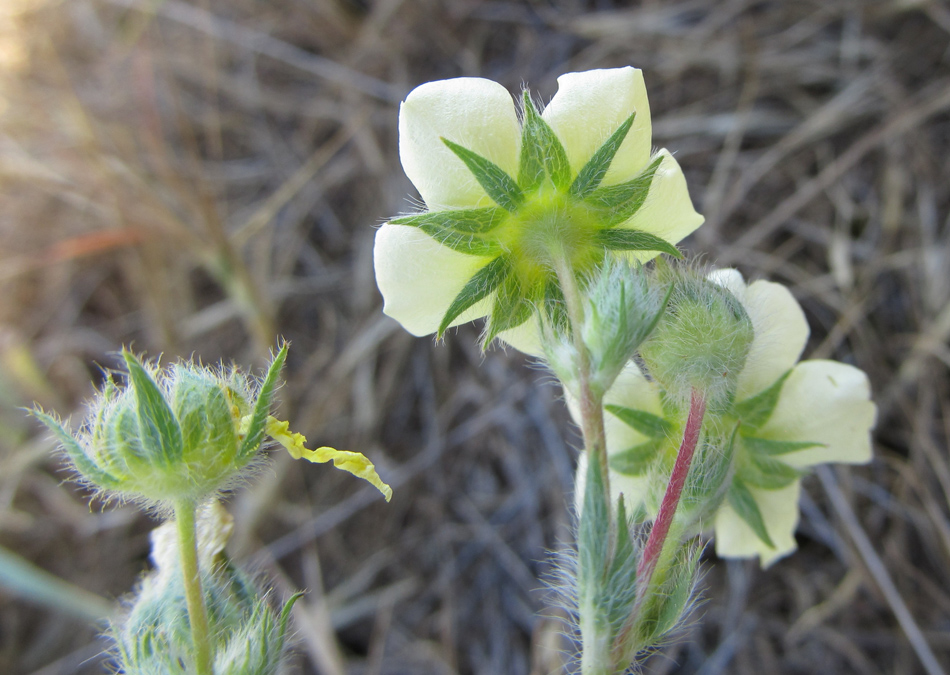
[
  {"x": 824, "y": 402},
  {"x": 668, "y": 210},
  {"x": 780, "y": 330},
  {"x": 630, "y": 390},
  {"x": 590, "y": 106},
  {"x": 419, "y": 278},
  {"x": 730, "y": 279},
  {"x": 525, "y": 338},
  {"x": 477, "y": 114},
  {"x": 779, "y": 508}
]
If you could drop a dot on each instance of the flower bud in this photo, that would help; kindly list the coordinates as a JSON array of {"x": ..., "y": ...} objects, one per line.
[
  {"x": 155, "y": 637},
  {"x": 181, "y": 433},
  {"x": 700, "y": 343},
  {"x": 622, "y": 310}
]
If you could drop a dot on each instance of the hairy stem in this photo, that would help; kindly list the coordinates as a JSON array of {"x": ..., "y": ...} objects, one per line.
[
  {"x": 591, "y": 403},
  {"x": 197, "y": 611},
  {"x": 674, "y": 490},
  {"x": 596, "y": 633}
]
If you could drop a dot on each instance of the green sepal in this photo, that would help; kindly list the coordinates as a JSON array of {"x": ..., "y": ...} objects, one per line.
[
  {"x": 99, "y": 433},
  {"x": 513, "y": 306},
  {"x": 769, "y": 447},
  {"x": 255, "y": 430},
  {"x": 159, "y": 431},
  {"x": 83, "y": 463},
  {"x": 622, "y": 239},
  {"x": 285, "y": 619},
  {"x": 123, "y": 450},
  {"x": 766, "y": 472},
  {"x": 756, "y": 411},
  {"x": 460, "y": 229},
  {"x": 556, "y": 307},
  {"x": 709, "y": 477},
  {"x": 637, "y": 460},
  {"x": 501, "y": 187},
  {"x": 744, "y": 504},
  {"x": 623, "y": 547},
  {"x": 619, "y": 203},
  {"x": 676, "y": 592},
  {"x": 188, "y": 409},
  {"x": 221, "y": 429},
  {"x": 482, "y": 284},
  {"x": 646, "y": 423},
  {"x": 589, "y": 178},
  {"x": 541, "y": 152}
]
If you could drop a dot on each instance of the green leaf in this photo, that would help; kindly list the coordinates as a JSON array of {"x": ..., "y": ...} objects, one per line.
[
  {"x": 769, "y": 447},
  {"x": 512, "y": 307},
  {"x": 619, "y": 203},
  {"x": 541, "y": 152},
  {"x": 589, "y": 178},
  {"x": 766, "y": 472},
  {"x": 646, "y": 423},
  {"x": 84, "y": 464},
  {"x": 255, "y": 430},
  {"x": 622, "y": 239},
  {"x": 742, "y": 501},
  {"x": 756, "y": 411},
  {"x": 159, "y": 432},
  {"x": 483, "y": 283},
  {"x": 501, "y": 187},
  {"x": 637, "y": 460},
  {"x": 460, "y": 229}
]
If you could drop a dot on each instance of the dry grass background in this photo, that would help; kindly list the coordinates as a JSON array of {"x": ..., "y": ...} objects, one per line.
[{"x": 199, "y": 177}]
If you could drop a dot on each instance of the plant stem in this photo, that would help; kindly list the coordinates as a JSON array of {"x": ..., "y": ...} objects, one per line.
[
  {"x": 596, "y": 634},
  {"x": 197, "y": 611},
  {"x": 591, "y": 403},
  {"x": 674, "y": 490}
]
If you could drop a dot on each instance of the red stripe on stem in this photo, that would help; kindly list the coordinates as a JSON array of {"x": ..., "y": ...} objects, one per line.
[{"x": 671, "y": 500}]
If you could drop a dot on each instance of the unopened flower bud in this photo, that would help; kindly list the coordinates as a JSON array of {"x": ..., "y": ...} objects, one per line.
[
  {"x": 622, "y": 310},
  {"x": 700, "y": 343},
  {"x": 181, "y": 433},
  {"x": 248, "y": 633}
]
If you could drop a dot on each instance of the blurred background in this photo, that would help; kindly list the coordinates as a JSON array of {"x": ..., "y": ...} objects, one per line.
[{"x": 199, "y": 177}]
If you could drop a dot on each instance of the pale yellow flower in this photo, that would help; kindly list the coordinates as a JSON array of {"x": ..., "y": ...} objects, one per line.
[
  {"x": 539, "y": 189},
  {"x": 820, "y": 412}
]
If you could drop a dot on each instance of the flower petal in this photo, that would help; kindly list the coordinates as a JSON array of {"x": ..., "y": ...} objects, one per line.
[
  {"x": 477, "y": 114},
  {"x": 668, "y": 210},
  {"x": 824, "y": 402},
  {"x": 419, "y": 278},
  {"x": 630, "y": 390},
  {"x": 780, "y": 327},
  {"x": 355, "y": 463},
  {"x": 525, "y": 338},
  {"x": 779, "y": 508},
  {"x": 588, "y": 107}
]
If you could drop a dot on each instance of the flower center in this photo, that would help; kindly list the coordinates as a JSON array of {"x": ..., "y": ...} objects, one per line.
[{"x": 547, "y": 228}]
